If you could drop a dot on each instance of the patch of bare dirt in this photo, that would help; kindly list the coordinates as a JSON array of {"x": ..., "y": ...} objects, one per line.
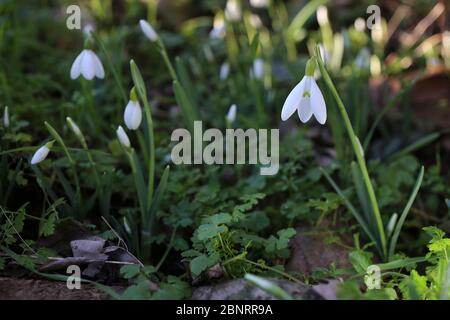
[{"x": 33, "y": 289}]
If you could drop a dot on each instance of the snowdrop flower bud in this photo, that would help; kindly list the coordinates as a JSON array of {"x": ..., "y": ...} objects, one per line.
[
  {"x": 218, "y": 30},
  {"x": 6, "y": 117},
  {"x": 88, "y": 65},
  {"x": 74, "y": 127},
  {"x": 233, "y": 10},
  {"x": 133, "y": 112},
  {"x": 322, "y": 15},
  {"x": 259, "y": 3},
  {"x": 224, "y": 71},
  {"x": 148, "y": 30},
  {"x": 42, "y": 153},
  {"x": 88, "y": 28},
  {"x": 122, "y": 137},
  {"x": 306, "y": 98},
  {"x": 258, "y": 68},
  {"x": 231, "y": 115}
]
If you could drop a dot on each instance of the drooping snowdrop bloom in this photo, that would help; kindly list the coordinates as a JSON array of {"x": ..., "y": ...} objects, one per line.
[
  {"x": 6, "y": 117},
  {"x": 42, "y": 153},
  {"x": 233, "y": 10},
  {"x": 259, "y": 3},
  {"x": 148, "y": 30},
  {"x": 218, "y": 30},
  {"x": 258, "y": 69},
  {"x": 231, "y": 115},
  {"x": 122, "y": 137},
  {"x": 255, "y": 21},
  {"x": 224, "y": 71},
  {"x": 133, "y": 112},
  {"x": 306, "y": 98},
  {"x": 88, "y": 65}
]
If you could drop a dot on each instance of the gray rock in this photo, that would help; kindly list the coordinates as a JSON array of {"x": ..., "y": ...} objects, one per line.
[
  {"x": 240, "y": 289},
  {"x": 308, "y": 252}
]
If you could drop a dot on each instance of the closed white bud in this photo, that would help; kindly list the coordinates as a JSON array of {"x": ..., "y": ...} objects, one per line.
[
  {"x": 148, "y": 30},
  {"x": 122, "y": 137},
  {"x": 6, "y": 122},
  {"x": 132, "y": 115},
  {"x": 42, "y": 153},
  {"x": 231, "y": 115},
  {"x": 224, "y": 71},
  {"x": 74, "y": 127}
]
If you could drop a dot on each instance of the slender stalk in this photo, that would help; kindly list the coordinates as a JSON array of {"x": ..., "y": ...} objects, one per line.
[
  {"x": 358, "y": 152},
  {"x": 162, "y": 50}
]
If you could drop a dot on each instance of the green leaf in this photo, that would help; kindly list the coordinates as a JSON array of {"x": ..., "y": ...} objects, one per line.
[
  {"x": 405, "y": 212},
  {"x": 130, "y": 271},
  {"x": 360, "y": 260},
  {"x": 203, "y": 262}
]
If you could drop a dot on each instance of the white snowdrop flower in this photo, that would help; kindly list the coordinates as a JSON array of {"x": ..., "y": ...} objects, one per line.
[
  {"x": 74, "y": 127},
  {"x": 306, "y": 98},
  {"x": 148, "y": 30},
  {"x": 122, "y": 137},
  {"x": 259, "y": 3},
  {"x": 88, "y": 28},
  {"x": 218, "y": 30},
  {"x": 224, "y": 71},
  {"x": 258, "y": 68},
  {"x": 255, "y": 21},
  {"x": 88, "y": 65},
  {"x": 322, "y": 15},
  {"x": 42, "y": 153},
  {"x": 362, "y": 60},
  {"x": 6, "y": 122},
  {"x": 133, "y": 112},
  {"x": 231, "y": 115},
  {"x": 233, "y": 10},
  {"x": 360, "y": 24}
]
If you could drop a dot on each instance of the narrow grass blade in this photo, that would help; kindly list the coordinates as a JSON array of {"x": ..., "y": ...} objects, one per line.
[
  {"x": 268, "y": 286},
  {"x": 392, "y": 103},
  {"x": 401, "y": 220},
  {"x": 150, "y": 218},
  {"x": 422, "y": 142},
  {"x": 351, "y": 208},
  {"x": 303, "y": 15},
  {"x": 58, "y": 138},
  {"x": 185, "y": 105}
]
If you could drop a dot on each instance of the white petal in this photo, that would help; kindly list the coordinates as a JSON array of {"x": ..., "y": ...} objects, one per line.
[
  {"x": 132, "y": 115},
  {"x": 304, "y": 109},
  {"x": 318, "y": 103},
  {"x": 76, "y": 66},
  {"x": 88, "y": 65},
  {"x": 99, "y": 71},
  {"x": 292, "y": 100},
  {"x": 40, "y": 155}
]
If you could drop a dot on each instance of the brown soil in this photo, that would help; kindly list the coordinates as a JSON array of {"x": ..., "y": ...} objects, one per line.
[{"x": 32, "y": 289}]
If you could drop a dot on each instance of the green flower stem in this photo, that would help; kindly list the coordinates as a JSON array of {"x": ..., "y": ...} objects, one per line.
[
  {"x": 87, "y": 92},
  {"x": 358, "y": 152},
  {"x": 162, "y": 50},
  {"x": 141, "y": 91},
  {"x": 72, "y": 162}
]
